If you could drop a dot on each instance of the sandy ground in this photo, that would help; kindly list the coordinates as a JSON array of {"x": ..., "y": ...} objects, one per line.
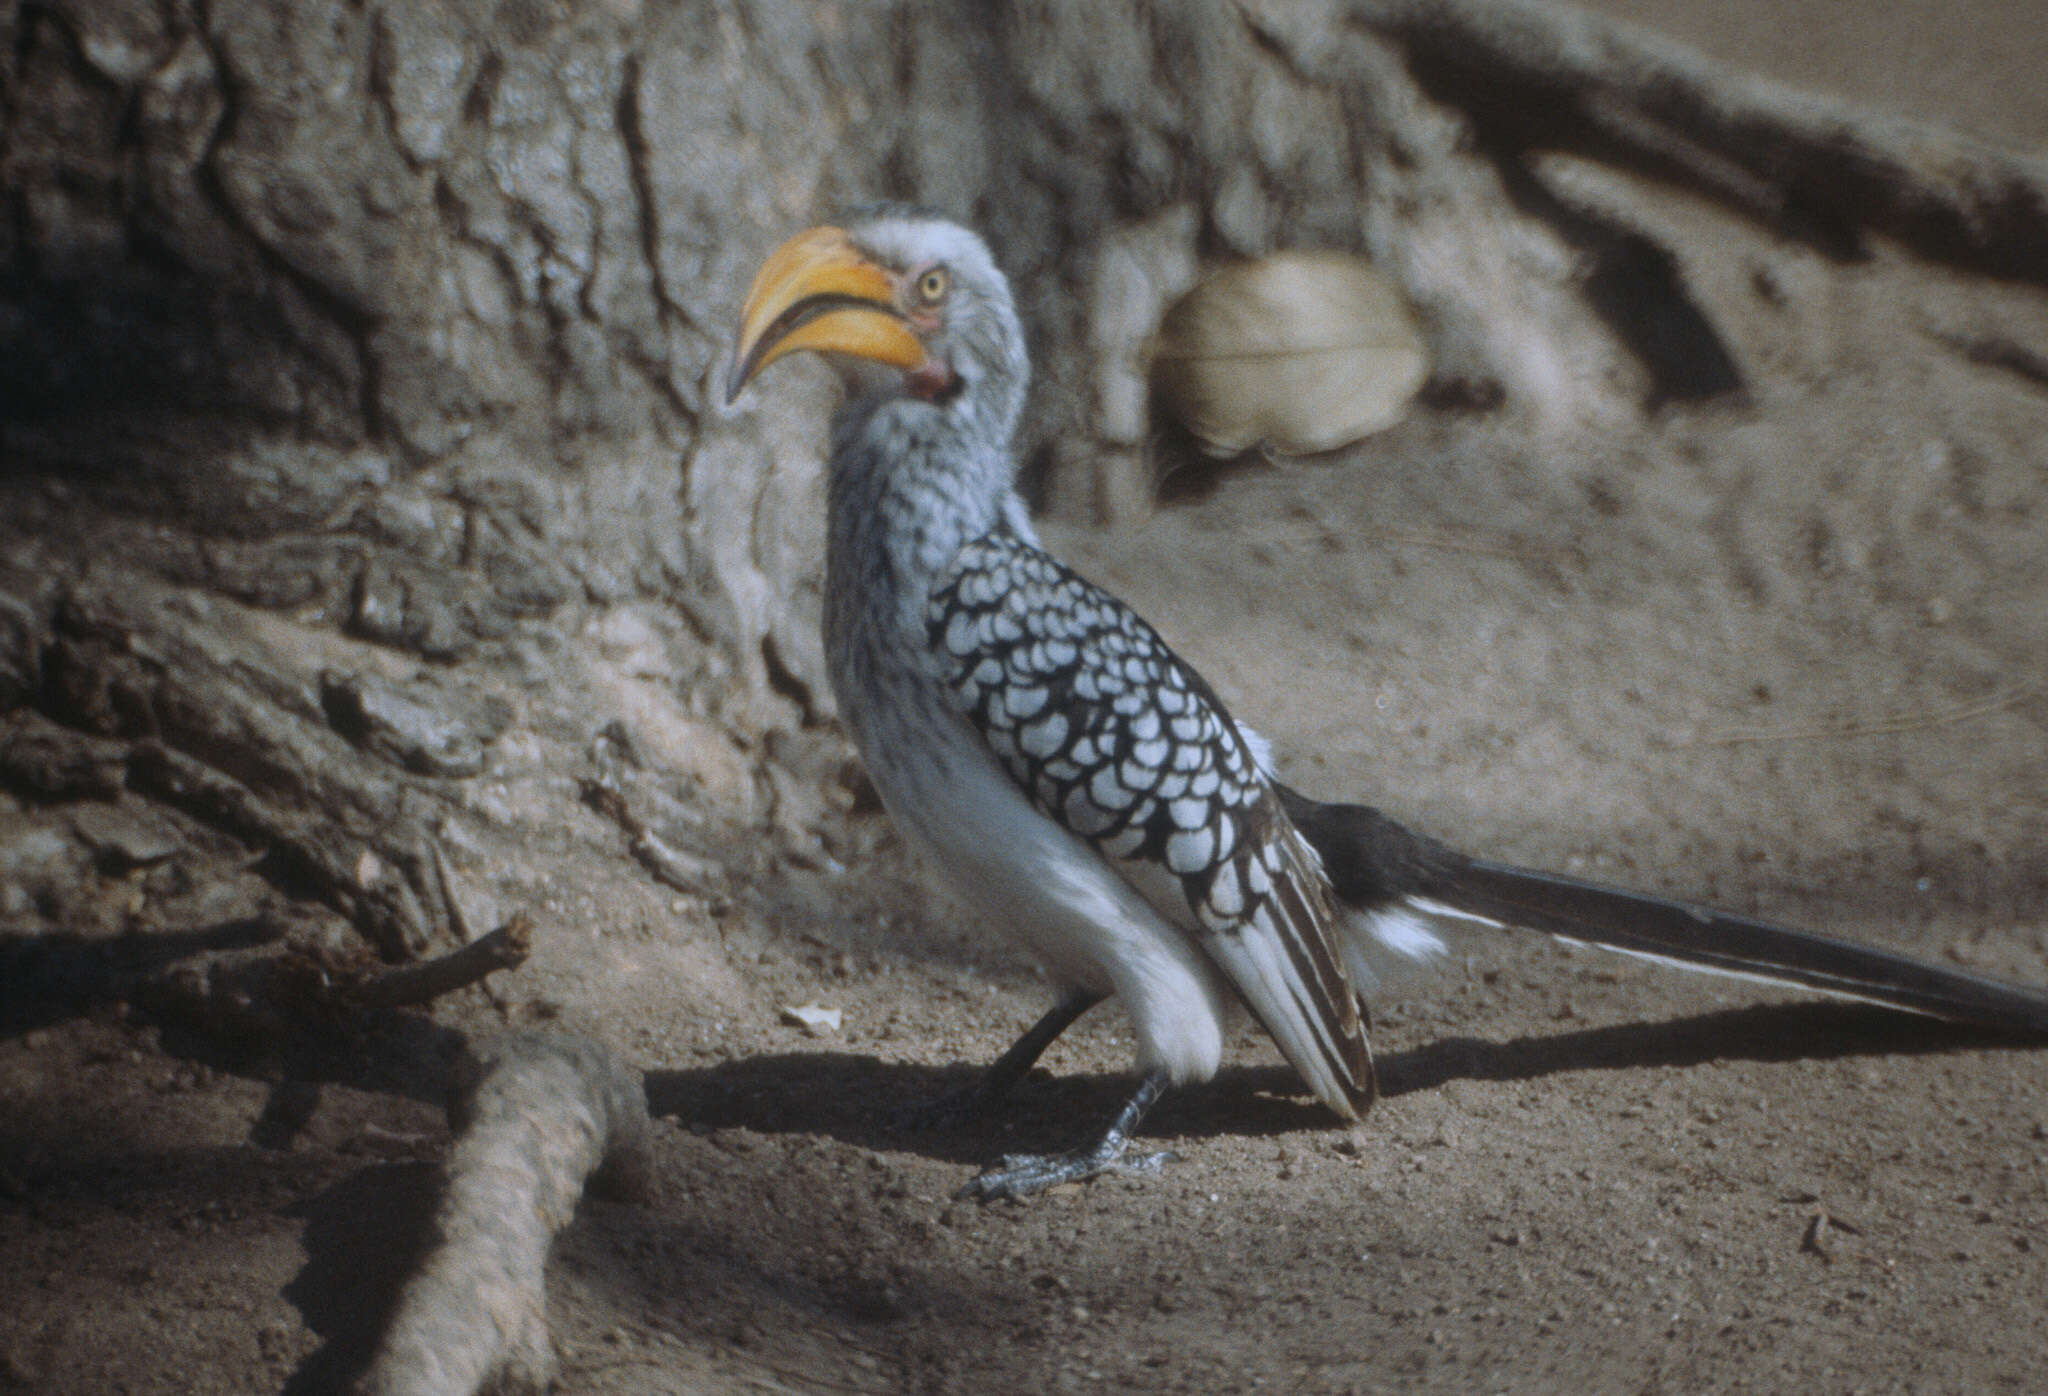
[{"x": 1784, "y": 656}]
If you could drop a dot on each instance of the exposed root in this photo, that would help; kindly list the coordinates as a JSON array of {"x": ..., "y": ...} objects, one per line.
[
  {"x": 538, "y": 1114},
  {"x": 1810, "y": 167}
]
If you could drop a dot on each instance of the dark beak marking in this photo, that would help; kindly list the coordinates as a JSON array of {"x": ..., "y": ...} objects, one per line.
[{"x": 785, "y": 324}]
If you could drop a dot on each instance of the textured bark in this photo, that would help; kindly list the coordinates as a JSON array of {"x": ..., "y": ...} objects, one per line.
[{"x": 358, "y": 363}]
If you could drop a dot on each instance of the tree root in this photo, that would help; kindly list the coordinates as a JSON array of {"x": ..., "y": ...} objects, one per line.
[
  {"x": 312, "y": 1003},
  {"x": 1532, "y": 75},
  {"x": 538, "y": 1114},
  {"x": 183, "y": 701}
]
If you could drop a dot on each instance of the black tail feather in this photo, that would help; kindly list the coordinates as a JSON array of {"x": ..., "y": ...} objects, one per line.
[
  {"x": 1375, "y": 863},
  {"x": 1713, "y": 940}
]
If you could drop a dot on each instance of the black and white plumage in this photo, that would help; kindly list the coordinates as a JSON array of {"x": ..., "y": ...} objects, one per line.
[
  {"x": 1116, "y": 739},
  {"x": 1083, "y": 786},
  {"x": 923, "y": 526}
]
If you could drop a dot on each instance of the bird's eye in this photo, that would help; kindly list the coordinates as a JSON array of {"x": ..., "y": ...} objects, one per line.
[{"x": 933, "y": 285}]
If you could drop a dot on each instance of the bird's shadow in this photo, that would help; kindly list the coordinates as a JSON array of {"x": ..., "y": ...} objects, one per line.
[{"x": 860, "y": 1099}]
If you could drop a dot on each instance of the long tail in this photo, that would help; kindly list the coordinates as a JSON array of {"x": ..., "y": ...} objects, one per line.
[{"x": 1400, "y": 884}]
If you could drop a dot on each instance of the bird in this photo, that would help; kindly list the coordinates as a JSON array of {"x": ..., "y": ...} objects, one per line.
[{"x": 1081, "y": 784}]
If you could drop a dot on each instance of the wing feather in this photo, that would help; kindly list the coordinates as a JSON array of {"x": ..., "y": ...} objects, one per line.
[{"x": 1110, "y": 733}]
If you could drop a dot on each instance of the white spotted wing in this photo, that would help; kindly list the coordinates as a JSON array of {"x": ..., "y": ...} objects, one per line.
[{"x": 1113, "y": 736}]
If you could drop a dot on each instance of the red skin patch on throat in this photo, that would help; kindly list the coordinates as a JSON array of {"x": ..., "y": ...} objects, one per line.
[{"x": 930, "y": 380}]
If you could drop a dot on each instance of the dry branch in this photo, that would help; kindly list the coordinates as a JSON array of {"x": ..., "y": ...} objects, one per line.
[
  {"x": 539, "y": 1114},
  {"x": 505, "y": 948},
  {"x": 224, "y": 728},
  {"x": 316, "y": 990}
]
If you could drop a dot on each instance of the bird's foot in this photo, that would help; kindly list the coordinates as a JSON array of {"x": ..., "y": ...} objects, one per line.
[{"x": 1021, "y": 1175}]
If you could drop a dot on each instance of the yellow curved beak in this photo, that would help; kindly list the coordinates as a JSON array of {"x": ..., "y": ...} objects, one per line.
[{"x": 818, "y": 292}]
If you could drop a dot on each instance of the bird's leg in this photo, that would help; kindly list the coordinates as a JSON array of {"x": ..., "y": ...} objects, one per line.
[
  {"x": 1007, "y": 1070},
  {"x": 1020, "y": 1175}
]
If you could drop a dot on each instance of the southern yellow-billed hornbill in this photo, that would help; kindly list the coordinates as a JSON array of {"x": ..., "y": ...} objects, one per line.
[{"x": 1084, "y": 787}]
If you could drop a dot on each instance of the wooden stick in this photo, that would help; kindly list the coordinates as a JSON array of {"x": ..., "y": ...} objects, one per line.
[{"x": 505, "y": 948}]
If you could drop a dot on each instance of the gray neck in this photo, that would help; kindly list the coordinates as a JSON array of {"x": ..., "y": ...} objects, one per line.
[{"x": 911, "y": 483}]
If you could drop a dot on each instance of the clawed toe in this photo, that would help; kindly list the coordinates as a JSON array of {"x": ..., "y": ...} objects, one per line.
[{"x": 1021, "y": 1175}]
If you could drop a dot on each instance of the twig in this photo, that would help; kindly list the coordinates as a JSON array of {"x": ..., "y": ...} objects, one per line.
[
  {"x": 1996, "y": 351},
  {"x": 444, "y": 878},
  {"x": 1440, "y": 540},
  {"x": 458, "y": 917},
  {"x": 1873, "y": 727},
  {"x": 505, "y": 948},
  {"x": 670, "y": 868}
]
